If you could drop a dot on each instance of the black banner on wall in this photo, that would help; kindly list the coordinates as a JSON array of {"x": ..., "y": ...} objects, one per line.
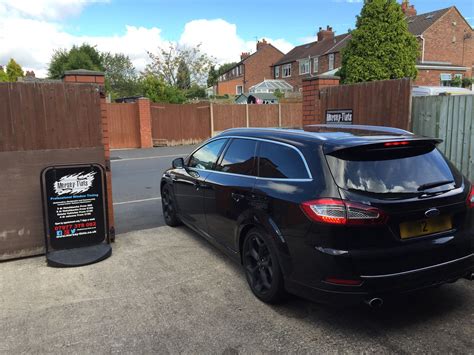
[{"x": 74, "y": 206}]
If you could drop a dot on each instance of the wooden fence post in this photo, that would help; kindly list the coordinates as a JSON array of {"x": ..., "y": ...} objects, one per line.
[
  {"x": 212, "y": 118},
  {"x": 247, "y": 114},
  {"x": 279, "y": 114}
]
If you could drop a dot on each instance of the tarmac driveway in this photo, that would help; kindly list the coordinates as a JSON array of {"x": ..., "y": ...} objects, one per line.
[
  {"x": 168, "y": 291},
  {"x": 136, "y": 175}
]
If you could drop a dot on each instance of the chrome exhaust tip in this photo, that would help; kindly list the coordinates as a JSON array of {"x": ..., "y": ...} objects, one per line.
[{"x": 374, "y": 302}]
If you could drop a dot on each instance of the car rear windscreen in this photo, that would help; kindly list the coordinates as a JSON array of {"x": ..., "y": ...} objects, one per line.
[{"x": 402, "y": 170}]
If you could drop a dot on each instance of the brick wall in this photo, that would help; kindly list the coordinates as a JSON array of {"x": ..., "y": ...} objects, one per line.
[
  {"x": 296, "y": 80},
  {"x": 431, "y": 77},
  {"x": 144, "y": 117},
  {"x": 444, "y": 40},
  {"x": 229, "y": 86},
  {"x": 100, "y": 79},
  {"x": 257, "y": 68},
  {"x": 311, "y": 97}
]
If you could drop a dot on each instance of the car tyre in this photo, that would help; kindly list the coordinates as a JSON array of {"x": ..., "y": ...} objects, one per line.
[
  {"x": 169, "y": 207},
  {"x": 262, "y": 269}
]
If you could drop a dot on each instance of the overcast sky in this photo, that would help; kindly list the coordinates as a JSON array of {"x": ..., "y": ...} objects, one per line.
[{"x": 30, "y": 30}]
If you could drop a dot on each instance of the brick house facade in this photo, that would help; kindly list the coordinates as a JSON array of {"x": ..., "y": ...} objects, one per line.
[
  {"x": 446, "y": 45},
  {"x": 252, "y": 69},
  {"x": 310, "y": 59},
  {"x": 446, "y": 50}
]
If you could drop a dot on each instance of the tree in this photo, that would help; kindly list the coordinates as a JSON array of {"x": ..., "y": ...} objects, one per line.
[
  {"x": 196, "y": 92},
  {"x": 183, "y": 77},
  {"x": 14, "y": 71},
  {"x": 121, "y": 78},
  {"x": 82, "y": 57},
  {"x": 3, "y": 75},
  {"x": 165, "y": 64},
  {"x": 157, "y": 90},
  {"x": 381, "y": 46},
  {"x": 225, "y": 67},
  {"x": 456, "y": 82},
  {"x": 212, "y": 76},
  {"x": 467, "y": 82}
]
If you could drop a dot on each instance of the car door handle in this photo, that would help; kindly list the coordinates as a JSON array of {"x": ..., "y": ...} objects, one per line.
[{"x": 237, "y": 197}]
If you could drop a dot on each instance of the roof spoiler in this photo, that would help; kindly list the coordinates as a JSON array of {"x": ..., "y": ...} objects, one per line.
[
  {"x": 401, "y": 142},
  {"x": 350, "y": 127}
]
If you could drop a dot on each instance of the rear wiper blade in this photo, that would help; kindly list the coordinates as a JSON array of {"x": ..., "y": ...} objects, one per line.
[{"x": 430, "y": 185}]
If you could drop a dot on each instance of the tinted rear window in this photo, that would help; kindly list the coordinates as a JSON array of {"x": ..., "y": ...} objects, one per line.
[
  {"x": 391, "y": 171},
  {"x": 281, "y": 162},
  {"x": 239, "y": 158}
]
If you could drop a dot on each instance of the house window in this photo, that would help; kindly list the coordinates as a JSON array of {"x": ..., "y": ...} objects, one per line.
[
  {"x": 331, "y": 61},
  {"x": 445, "y": 79},
  {"x": 239, "y": 89},
  {"x": 458, "y": 76},
  {"x": 286, "y": 70},
  {"x": 304, "y": 66},
  {"x": 277, "y": 71},
  {"x": 315, "y": 65}
]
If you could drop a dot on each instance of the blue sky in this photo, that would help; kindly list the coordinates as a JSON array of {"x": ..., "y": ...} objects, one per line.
[
  {"x": 291, "y": 20},
  {"x": 30, "y": 30}
]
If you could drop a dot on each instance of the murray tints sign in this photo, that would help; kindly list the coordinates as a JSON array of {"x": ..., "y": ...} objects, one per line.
[
  {"x": 339, "y": 116},
  {"x": 74, "y": 205}
]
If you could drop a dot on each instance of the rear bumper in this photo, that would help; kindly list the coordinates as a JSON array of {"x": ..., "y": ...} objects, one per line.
[{"x": 387, "y": 285}]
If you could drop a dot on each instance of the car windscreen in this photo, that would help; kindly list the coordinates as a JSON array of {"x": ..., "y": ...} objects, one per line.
[{"x": 392, "y": 171}]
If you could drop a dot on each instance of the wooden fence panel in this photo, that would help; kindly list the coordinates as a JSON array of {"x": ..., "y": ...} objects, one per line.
[
  {"x": 450, "y": 118},
  {"x": 229, "y": 116},
  {"x": 292, "y": 115},
  {"x": 123, "y": 125},
  {"x": 263, "y": 115},
  {"x": 37, "y": 116},
  {"x": 180, "y": 124},
  {"x": 383, "y": 103},
  {"x": 41, "y": 125}
]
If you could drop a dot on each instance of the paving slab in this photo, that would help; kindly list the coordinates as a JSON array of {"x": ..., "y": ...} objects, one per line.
[{"x": 167, "y": 290}]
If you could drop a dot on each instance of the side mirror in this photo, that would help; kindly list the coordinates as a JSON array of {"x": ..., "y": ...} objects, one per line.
[{"x": 178, "y": 163}]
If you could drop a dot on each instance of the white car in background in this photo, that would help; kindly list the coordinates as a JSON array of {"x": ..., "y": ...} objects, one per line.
[{"x": 439, "y": 90}]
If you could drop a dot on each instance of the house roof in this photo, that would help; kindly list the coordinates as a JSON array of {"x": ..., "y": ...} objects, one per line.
[
  {"x": 312, "y": 49},
  {"x": 272, "y": 85},
  {"x": 418, "y": 24},
  {"x": 251, "y": 55}
]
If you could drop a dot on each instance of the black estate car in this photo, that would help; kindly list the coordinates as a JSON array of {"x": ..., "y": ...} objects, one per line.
[{"x": 338, "y": 214}]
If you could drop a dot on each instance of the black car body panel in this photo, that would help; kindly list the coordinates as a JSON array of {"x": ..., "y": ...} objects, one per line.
[{"x": 223, "y": 199}]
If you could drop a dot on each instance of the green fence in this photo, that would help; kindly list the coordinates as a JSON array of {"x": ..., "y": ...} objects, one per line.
[{"x": 450, "y": 118}]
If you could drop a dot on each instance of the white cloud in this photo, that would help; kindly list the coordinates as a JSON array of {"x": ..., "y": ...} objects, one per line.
[
  {"x": 44, "y": 9},
  {"x": 34, "y": 42},
  {"x": 31, "y": 34},
  {"x": 219, "y": 38}
]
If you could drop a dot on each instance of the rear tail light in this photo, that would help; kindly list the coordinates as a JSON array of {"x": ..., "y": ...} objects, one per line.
[
  {"x": 470, "y": 198},
  {"x": 333, "y": 211}
]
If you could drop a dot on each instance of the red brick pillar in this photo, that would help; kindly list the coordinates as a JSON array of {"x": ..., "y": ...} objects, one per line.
[
  {"x": 311, "y": 98},
  {"x": 93, "y": 77},
  {"x": 144, "y": 117}
]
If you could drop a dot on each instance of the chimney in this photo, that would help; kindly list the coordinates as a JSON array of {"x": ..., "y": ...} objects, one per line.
[
  {"x": 30, "y": 74},
  {"x": 261, "y": 44},
  {"x": 244, "y": 55},
  {"x": 325, "y": 34},
  {"x": 407, "y": 9}
]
